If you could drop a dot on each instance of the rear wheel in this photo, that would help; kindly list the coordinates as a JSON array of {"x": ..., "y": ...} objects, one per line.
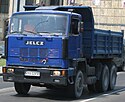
[
  {"x": 103, "y": 83},
  {"x": 22, "y": 88},
  {"x": 76, "y": 89},
  {"x": 113, "y": 76}
]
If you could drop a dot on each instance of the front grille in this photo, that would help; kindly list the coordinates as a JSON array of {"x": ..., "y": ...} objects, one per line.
[
  {"x": 24, "y": 52},
  {"x": 34, "y": 52},
  {"x": 43, "y": 52}
]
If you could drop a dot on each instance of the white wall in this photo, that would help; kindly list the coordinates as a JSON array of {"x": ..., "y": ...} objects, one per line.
[
  {"x": 13, "y": 6},
  {"x": 22, "y": 3}
]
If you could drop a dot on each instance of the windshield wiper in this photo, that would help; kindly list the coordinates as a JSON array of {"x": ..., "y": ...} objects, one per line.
[
  {"x": 35, "y": 33},
  {"x": 30, "y": 31},
  {"x": 20, "y": 32},
  {"x": 16, "y": 32},
  {"x": 43, "y": 32}
]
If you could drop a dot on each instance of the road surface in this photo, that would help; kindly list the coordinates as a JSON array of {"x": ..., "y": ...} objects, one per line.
[{"x": 41, "y": 94}]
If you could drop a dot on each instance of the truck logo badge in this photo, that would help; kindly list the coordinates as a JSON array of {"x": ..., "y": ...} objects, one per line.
[
  {"x": 44, "y": 61},
  {"x": 34, "y": 43}
]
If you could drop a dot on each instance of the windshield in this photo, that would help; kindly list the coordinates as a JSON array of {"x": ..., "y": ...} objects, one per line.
[{"x": 43, "y": 24}]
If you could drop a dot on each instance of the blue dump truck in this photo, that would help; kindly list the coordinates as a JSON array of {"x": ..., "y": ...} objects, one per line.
[{"x": 58, "y": 47}]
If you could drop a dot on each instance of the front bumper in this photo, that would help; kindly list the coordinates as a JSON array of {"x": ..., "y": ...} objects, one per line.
[{"x": 46, "y": 77}]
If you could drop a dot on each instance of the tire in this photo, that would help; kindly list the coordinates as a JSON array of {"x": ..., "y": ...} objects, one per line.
[
  {"x": 103, "y": 83},
  {"x": 22, "y": 88},
  {"x": 76, "y": 89},
  {"x": 113, "y": 77}
]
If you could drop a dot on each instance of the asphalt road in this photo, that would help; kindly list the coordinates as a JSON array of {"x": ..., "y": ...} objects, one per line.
[
  {"x": 4, "y": 84},
  {"x": 40, "y": 94}
]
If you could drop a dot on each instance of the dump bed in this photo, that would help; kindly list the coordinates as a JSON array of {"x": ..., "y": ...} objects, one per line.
[
  {"x": 102, "y": 44},
  {"x": 95, "y": 43}
]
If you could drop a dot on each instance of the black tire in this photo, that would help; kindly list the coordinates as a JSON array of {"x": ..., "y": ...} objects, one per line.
[
  {"x": 113, "y": 77},
  {"x": 103, "y": 83},
  {"x": 22, "y": 88},
  {"x": 76, "y": 89}
]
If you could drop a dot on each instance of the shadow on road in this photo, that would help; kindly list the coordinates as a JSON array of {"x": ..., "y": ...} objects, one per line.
[
  {"x": 57, "y": 95},
  {"x": 49, "y": 94}
]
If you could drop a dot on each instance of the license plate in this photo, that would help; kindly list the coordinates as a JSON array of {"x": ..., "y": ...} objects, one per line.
[{"x": 32, "y": 73}]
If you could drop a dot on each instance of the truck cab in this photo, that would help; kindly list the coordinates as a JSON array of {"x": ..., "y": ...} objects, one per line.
[{"x": 40, "y": 38}]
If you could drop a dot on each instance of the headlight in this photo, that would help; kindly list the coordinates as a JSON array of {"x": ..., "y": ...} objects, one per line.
[
  {"x": 59, "y": 73},
  {"x": 56, "y": 73},
  {"x": 10, "y": 70}
]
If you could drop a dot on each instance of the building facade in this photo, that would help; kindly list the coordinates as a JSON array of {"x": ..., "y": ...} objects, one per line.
[
  {"x": 4, "y": 6},
  {"x": 108, "y": 14}
]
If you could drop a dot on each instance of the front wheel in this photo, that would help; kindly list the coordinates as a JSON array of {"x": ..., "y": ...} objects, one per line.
[
  {"x": 22, "y": 88},
  {"x": 76, "y": 89}
]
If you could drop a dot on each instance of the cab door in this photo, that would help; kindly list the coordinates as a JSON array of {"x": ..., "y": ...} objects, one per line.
[{"x": 74, "y": 38}]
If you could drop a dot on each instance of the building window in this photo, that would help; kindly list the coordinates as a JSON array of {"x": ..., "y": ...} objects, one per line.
[
  {"x": 30, "y": 2},
  {"x": 4, "y": 6},
  {"x": 54, "y": 2},
  {"x": 70, "y": 2}
]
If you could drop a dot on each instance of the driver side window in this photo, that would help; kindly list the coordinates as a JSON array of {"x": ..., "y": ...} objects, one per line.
[{"x": 74, "y": 26}]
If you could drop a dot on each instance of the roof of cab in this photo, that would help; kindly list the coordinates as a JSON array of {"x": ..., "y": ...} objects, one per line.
[
  {"x": 57, "y": 7},
  {"x": 45, "y": 12},
  {"x": 55, "y": 10}
]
